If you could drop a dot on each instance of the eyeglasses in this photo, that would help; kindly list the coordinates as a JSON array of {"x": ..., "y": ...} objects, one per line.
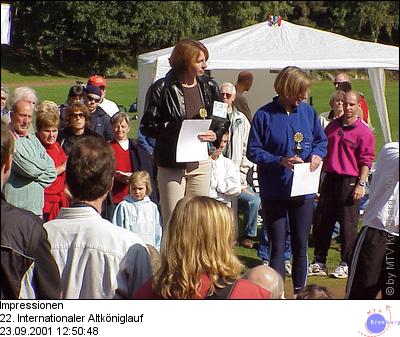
[
  {"x": 78, "y": 115},
  {"x": 223, "y": 94},
  {"x": 97, "y": 100}
]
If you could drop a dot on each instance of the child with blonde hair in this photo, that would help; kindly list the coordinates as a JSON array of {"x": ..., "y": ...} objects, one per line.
[{"x": 137, "y": 213}]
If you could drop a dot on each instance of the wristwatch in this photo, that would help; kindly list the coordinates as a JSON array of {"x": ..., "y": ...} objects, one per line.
[{"x": 361, "y": 183}]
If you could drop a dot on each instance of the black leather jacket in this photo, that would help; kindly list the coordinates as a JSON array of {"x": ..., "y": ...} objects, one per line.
[
  {"x": 24, "y": 244},
  {"x": 164, "y": 112}
]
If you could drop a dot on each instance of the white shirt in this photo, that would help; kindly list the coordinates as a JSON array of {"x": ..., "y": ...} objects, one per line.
[
  {"x": 96, "y": 259},
  {"x": 225, "y": 180},
  {"x": 109, "y": 107},
  {"x": 383, "y": 206}
]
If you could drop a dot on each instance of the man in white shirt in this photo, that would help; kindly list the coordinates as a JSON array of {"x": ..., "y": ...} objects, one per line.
[
  {"x": 110, "y": 107},
  {"x": 375, "y": 263},
  {"x": 225, "y": 176},
  {"x": 96, "y": 259},
  {"x": 248, "y": 201}
]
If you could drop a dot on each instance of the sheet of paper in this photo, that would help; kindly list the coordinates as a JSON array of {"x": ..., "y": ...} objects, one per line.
[
  {"x": 189, "y": 147},
  {"x": 220, "y": 109},
  {"x": 304, "y": 181}
]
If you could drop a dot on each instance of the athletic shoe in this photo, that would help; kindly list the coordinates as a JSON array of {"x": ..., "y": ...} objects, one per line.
[
  {"x": 288, "y": 268},
  {"x": 317, "y": 269},
  {"x": 341, "y": 271}
]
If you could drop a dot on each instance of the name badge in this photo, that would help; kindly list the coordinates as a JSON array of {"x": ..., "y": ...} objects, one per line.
[{"x": 220, "y": 109}]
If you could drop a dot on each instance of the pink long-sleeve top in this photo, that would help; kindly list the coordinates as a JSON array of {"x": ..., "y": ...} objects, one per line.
[{"x": 349, "y": 147}]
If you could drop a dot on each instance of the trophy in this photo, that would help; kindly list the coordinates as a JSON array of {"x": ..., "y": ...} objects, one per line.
[
  {"x": 298, "y": 138},
  {"x": 203, "y": 113}
]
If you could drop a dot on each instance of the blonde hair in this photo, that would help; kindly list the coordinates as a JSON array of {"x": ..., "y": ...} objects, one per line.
[
  {"x": 336, "y": 94},
  {"x": 140, "y": 177},
  {"x": 198, "y": 240},
  {"x": 292, "y": 81},
  {"x": 48, "y": 115}
]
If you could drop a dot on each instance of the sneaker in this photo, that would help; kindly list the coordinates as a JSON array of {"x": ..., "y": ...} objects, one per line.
[
  {"x": 317, "y": 269},
  {"x": 288, "y": 268},
  {"x": 259, "y": 220},
  {"x": 341, "y": 271}
]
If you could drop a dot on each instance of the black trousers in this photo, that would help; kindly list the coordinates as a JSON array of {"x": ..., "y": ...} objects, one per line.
[
  {"x": 299, "y": 211},
  {"x": 336, "y": 203},
  {"x": 375, "y": 266}
]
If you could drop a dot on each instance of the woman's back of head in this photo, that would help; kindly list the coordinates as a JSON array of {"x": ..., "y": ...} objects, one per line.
[{"x": 198, "y": 240}]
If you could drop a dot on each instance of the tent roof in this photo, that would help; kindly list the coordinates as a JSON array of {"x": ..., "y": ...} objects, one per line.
[{"x": 261, "y": 46}]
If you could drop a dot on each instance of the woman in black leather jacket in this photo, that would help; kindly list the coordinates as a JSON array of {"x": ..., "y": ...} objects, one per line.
[{"x": 180, "y": 95}]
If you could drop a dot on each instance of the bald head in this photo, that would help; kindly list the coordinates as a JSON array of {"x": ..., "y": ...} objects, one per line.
[
  {"x": 21, "y": 117},
  {"x": 267, "y": 278},
  {"x": 244, "y": 81}
]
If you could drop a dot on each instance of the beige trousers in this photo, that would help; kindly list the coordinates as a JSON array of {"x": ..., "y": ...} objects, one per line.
[{"x": 176, "y": 183}]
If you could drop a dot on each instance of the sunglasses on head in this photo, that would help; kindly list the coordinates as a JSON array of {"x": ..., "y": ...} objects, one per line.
[
  {"x": 223, "y": 94},
  {"x": 89, "y": 98}
]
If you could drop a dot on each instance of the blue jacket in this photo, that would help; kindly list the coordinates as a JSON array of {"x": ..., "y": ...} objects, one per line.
[{"x": 272, "y": 137}]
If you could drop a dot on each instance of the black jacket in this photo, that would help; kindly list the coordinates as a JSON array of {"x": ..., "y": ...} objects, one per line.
[
  {"x": 24, "y": 245},
  {"x": 101, "y": 124},
  {"x": 164, "y": 112}
]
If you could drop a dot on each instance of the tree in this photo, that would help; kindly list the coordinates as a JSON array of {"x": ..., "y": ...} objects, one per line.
[{"x": 378, "y": 17}]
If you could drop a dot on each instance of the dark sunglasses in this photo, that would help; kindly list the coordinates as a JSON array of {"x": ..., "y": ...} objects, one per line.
[
  {"x": 78, "y": 115},
  {"x": 97, "y": 100},
  {"x": 223, "y": 94}
]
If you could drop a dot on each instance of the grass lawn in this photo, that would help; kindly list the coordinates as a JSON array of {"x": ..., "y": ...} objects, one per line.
[
  {"x": 337, "y": 286},
  {"x": 124, "y": 92}
]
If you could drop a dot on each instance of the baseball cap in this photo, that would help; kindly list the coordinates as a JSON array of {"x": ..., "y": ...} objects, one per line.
[
  {"x": 92, "y": 90},
  {"x": 97, "y": 81}
]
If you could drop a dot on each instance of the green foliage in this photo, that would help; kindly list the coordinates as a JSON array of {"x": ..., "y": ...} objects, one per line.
[
  {"x": 374, "y": 15},
  {"x": 94, "y": 35}
]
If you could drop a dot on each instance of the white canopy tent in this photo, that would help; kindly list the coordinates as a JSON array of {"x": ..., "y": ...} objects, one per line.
[{"x": 262, "y": 46}]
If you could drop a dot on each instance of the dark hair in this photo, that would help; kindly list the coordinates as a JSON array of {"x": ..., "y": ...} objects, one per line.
[
  {"x": 7, "y": 143},
  {"x": 78, "y": 106},
  {"x": 75, "y": 90},
  {"x": 344, "y": 86},
  {"x": 220, "y": 126},
  {"x": 90, "y": 168},
  {"x": 314, "y": 291}
]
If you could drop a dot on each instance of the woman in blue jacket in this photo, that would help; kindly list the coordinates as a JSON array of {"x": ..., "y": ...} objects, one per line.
[{"x": 284, "y": 132}]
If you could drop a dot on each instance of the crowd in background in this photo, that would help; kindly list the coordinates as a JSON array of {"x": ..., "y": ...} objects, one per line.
[{"x": 108, "y": 216}]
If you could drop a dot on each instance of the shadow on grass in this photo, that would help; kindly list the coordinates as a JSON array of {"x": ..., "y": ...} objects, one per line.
[
  {"x": 21, "y": 61},
  {"x": 249, "y": 262},
  {"x": 18, "y": 61}
]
